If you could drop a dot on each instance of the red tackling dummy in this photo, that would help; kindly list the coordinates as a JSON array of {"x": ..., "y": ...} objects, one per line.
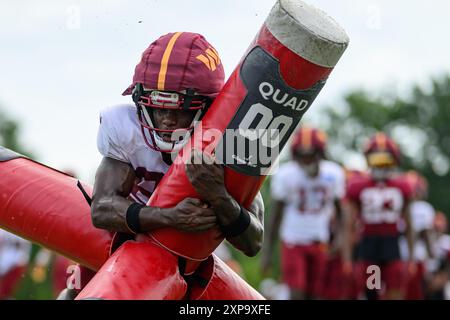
[{"x": 45, "y": 206}]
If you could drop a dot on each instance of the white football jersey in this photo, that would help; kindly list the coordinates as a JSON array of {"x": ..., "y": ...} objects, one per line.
[
  {"x": 120, "y": 137},
  {"x": 441, "y": 250},
  {"x": 309, "y": 202},
  {"x": 422, "y": 216}
]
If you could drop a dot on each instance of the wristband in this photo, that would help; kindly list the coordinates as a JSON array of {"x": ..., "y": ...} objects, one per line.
[
  {"x": 132, "y": 217},
  {"x": 238, "y": 226}
]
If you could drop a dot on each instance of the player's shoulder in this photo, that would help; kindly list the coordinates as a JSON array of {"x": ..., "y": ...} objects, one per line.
[
  {"x": 354, "y": 175},
  {"x": 119, "y": 131},
  {"x": 360, "y": 180},
  {"x": 356, "y": 183},
  {"x": 399, "y": 178},
  {"x": 287, "y": 173},
  {"x": 284, "y": 180},
  {"x": 120, "y": 120},
  {"x": 117, "y": 114},
  {"x": 401, "y": 182},
  {"x": 422, "y": 207},
  {"x": 331, "y": 167},
  {"x": 288, "y": 168}
]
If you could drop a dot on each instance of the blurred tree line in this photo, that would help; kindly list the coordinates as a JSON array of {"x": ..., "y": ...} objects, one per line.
[
  {"x": 9, "y": 134},
  {"x": 419, "y": 123}
]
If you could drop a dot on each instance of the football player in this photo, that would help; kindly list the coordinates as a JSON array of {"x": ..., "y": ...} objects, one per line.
[
  {"x": 306, "y": 192},
  {"x": 175, "y": 82},
  {"x": 422, "y": 217},
  {"x": 381, "y": 200}
]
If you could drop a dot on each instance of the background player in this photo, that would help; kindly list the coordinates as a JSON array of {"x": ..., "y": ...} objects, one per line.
[
  {"x": 381, "y": 199},
  {"x": 422, "y": 217},
  {"x": 306, "y": 192}
]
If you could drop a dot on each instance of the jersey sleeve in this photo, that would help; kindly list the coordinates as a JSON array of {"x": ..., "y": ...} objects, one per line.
[
  {"x": 339, "y": 183},
  {"x": 279, "y": 185},
  {"x": 422, "y": 215},
  {"x": 353, "y": 190},
  {"x": 405, "y": 188},
  {"x": 108, "y": 142}
]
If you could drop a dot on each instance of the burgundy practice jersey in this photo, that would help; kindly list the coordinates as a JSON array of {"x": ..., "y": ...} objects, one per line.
[{"x": 380, "y": 203}]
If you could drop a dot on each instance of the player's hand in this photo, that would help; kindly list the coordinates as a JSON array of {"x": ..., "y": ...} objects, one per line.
[
  {"x": 206, "y": 176},
  {"x": 192, "y": 215}
]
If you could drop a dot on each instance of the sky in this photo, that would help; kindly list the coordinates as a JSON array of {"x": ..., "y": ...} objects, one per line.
[{"x": 61, "y": 62}]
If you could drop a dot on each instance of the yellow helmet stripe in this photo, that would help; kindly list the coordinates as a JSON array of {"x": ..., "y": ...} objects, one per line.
[{"x": 165, "y": 60}]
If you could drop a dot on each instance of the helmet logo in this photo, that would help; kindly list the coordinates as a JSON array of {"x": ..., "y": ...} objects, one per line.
[{"x": 210, "y": 58}]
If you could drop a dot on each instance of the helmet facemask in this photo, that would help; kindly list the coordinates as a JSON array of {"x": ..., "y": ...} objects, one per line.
[
  {"x": 147, "y": 101},
  {"x": 308, "y": 149},
  {"x": 309, "y": 161},
  {"x": 382, "y": 164}
]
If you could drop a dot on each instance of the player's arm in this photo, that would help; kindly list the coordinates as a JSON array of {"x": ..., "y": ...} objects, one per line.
[
  {"x": 339, "y": 190},
  {"x": 425, "y": 235},
  {"x": 113, "y": 183},
  {"x": 338, "y": 210},
  {"x": 349, "y": 211},
  {"x": 207, "y": 178},
  {"x": 273, "y": 228},
  {"x": 228, "y": 210},
  {"x": 408, "y": 230},
  {"x": 338, "y": 238}
]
